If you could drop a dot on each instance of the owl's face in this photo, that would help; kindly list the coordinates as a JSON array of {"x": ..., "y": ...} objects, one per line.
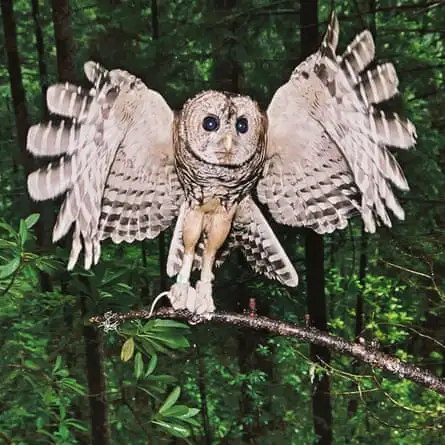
[{"x": 222, "y": 129}]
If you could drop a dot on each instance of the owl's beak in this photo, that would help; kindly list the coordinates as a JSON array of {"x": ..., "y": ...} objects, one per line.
[{"x": 228, "y": 142}]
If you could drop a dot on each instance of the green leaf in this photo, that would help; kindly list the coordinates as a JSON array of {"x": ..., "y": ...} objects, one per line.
[
  {"x": 153, "y": 391},
  {"x": 173, "y": 341},
  {"x": 163, "y": 378},
  {"x": 31, "y": 365},
  {"x": 168, "y": 324},
  {"x": 63, "y": 431},
  {"x": 58, "y": 364},
  {"x": 173, "y": 428},
  {"x": 171, "y": 400},
  {"x": 191, "y": 413},
  {"x": 5, "y": 244},
  {"x": 7, "y": 227},
  {"x": 31, "y": 220},
  {"x": 23, "y": 232},
  {"x": 176, "y": 411},
  {"x": 62, "y": 412},
  {"x": 76, "y": 425},
  {"x": 9, "y": 268},
  {"x": 138, "y": 365},
  {"x": 152, "y": 364},
  {"x": 127, "y": 350}
]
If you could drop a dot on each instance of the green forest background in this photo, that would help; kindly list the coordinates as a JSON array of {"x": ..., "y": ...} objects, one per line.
[{"x": 63, "y": 381}]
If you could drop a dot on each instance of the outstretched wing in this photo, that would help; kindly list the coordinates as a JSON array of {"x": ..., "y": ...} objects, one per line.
[
  {"x": 115, "y": 161},
  {"x": 327, "y": 144}
]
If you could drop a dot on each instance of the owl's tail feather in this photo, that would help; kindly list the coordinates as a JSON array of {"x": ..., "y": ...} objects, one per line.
[
  {"x": 261, "y": 248},
  {"x": 252, "y": 234}
]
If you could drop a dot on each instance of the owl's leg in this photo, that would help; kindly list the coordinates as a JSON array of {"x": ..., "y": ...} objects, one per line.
[
  {"x": 182, "y": 295},
  {"x": 217, "y": 229}
]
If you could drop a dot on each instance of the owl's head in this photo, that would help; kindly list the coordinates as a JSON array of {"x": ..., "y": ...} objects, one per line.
[{"x": 223, "y": 128}]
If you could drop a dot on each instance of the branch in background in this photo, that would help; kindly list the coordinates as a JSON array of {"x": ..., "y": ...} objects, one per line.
[{"x": 361, "y": 351}]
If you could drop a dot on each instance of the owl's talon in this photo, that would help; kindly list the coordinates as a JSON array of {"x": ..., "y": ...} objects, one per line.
[
  {"x": 204, "y": 302},
  {"x": 182, "y": 296}
]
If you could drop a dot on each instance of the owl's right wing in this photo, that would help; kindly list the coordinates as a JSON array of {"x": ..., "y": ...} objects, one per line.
[
  {"x": 115, "y": 161},
  {"x": 327, "y": 154}
]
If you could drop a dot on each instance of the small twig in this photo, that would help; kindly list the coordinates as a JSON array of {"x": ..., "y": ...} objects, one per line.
[
  {"x": 415, "y": 272},
  {"x": 363, "y": 352}
]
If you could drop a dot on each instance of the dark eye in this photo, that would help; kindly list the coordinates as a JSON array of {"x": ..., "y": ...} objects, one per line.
[
  {"x": 242, "y": 125},
  {"x": 210, "y": 123}
]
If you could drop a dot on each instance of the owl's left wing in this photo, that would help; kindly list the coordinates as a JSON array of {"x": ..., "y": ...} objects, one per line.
[
  {"x": 115, "y": 161},
  {"x": 327, "y": 155}
]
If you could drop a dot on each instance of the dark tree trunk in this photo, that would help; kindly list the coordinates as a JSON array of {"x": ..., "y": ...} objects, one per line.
[
  {"x": 226, "y": 76},
  {"x": 45, "y": 208},
  {"x": 93, "y": 339},
  {"x": 63, "y": 33},
  {"x": 359, "y": 308},
  {"x": 363, "y": 267},
  {"x": 314, "y": 246},
  {"x": 203, "y": 395},
  {"x": 226, "y": 70},
  {"x": 161, "y": 238},
  {"x": 21, "y": 118},
  {"x": 15, "y": 78},
  {"x": 40, "y": 48},
  {"x": 97, "y": 391}
]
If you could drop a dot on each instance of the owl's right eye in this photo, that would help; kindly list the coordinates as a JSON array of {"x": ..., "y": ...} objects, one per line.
[{"x": 210, "y": 123}]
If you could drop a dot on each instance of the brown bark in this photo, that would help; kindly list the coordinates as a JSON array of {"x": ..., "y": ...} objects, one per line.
[
  {"x": 226, "y": 70},
  {"x": 97, "y": 392},
  {"x": 359, "y": 308},
  {"x": 161, "y": 238},
  {"x": 40, "y": 48},
  {"x": 19, "y": 103},
  {"x": 314, "y": 248},
  {"x": 203, "y": 396},
  {"x": 21, "y": 118},
  {"x": 367, "y": 353},
  {"x": 63, "y": 33},
  {"x": 226, "y": 77},
  {"x": 93, "y": 339}
]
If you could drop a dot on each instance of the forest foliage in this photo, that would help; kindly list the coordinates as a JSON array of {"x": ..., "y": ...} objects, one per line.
[{"x": 65, "y": 382}]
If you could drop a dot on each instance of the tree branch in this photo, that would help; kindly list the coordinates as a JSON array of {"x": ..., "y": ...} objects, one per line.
[{"x": 366, "y": 353}]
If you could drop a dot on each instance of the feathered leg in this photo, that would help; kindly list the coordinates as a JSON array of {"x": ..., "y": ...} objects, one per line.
[
  {"x": 182, "y": 295},
  {"x": 217, "y": 227}
]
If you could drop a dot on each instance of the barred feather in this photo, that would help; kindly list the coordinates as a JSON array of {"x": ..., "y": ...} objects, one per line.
[
  {"x": 252, "y": 234},
  {"x": 327, "y": 144},
  {"x": 117, "y": 161}
]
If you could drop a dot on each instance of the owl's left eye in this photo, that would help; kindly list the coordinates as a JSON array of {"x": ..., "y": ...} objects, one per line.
[
  {"x": 210, "y": 123},
  {"x": 242, "y": 125}
]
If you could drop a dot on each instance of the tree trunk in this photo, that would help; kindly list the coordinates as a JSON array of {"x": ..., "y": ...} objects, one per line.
[
  {"x": 97, "y": 391},
  {"x": 226, "y": 76},
  {"x": 21, "y": 120},
  {"x": 359, "y": 309},
  {"x": 161, "y": 238},
  {"x": 360, "y": 304},
  {"x": 40, "y": 48},
  {"x": 203, "y": 396},
  {"x": 65, "y": 48},
  {"x": 63, "y": 33},
  {"x": 15, "y": 78},
  {"x": 314, "y": 247}
]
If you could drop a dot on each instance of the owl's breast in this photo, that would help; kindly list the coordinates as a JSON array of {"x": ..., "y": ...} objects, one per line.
[{"x": 203, "y": 182}]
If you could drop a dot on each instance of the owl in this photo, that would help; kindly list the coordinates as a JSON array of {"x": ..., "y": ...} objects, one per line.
[{"x": 129, "y": 166}]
